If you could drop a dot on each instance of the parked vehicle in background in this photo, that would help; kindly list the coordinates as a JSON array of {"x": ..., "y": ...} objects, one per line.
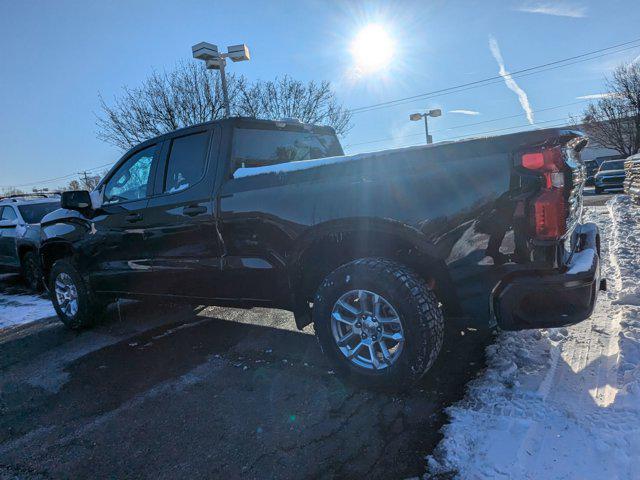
[
  {"x": 591, "y": 170},
  {"x": 20, "y": 217},
  {"x": 632, "y": 177},
  {"x": 610, "y": 176},
  {"x": 374, "y": 249}
]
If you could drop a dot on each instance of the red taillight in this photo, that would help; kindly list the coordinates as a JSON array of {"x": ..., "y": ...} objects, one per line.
[
  {"x": 549, "y": 211},
  {"x": 533, "y": 161},
  {"x": 550, "y": 214}
]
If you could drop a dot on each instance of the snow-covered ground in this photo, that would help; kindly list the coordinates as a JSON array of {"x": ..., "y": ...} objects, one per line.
[
  {"x": 18, "y": 307},
  {"x": 560, "y": 403}
]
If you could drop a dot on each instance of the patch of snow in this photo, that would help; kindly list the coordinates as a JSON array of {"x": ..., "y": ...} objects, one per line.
[
  {"x": 20, "y": 309},
  {"x": 560, "y": 403}
]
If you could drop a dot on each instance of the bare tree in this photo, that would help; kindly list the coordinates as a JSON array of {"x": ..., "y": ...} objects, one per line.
[
  {"x": 288, "y": 98},
  {"x": 166, "y": 101},
  {"x": 7, "y": 191},
  {"x": 614, "y": 120},
  {"x": 191, "y": 94}
]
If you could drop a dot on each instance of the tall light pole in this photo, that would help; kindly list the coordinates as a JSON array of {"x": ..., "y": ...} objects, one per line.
[
  {"x": 414, "y": 117},
  {"x": 218, "y": 61}
]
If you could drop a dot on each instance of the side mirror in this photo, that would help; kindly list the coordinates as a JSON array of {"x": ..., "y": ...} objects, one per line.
[{"x": 75, "y": 200}]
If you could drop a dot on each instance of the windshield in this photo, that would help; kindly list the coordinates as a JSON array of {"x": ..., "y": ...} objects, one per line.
[
  {"x": 33, "y": 213},
  {"x": 616, "y": 165},
  {"x": 254, "y": 147}
]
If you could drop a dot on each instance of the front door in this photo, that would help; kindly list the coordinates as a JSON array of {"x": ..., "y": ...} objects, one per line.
[{"x": 121, "y": 261}]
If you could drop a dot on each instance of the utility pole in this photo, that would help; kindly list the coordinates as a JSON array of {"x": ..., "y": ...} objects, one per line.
[
  {"x": 414, "y": 117},
  {"x": 223, "y": 80},
  {"x": 86, "y": 180},
  {"x": 426, "y": 129}
]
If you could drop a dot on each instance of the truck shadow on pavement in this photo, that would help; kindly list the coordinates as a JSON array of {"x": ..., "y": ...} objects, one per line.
[{"x": 219, "y": 392}]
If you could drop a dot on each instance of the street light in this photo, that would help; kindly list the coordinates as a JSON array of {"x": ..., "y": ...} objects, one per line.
[
  {"x": 215, "y": 60},
  {"x": 414, "y": 117}
]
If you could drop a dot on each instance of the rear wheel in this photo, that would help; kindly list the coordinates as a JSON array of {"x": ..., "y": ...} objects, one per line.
[
  {"x": 72, "y": 298},
  {"x": 31, "y": 272},
  {"x": 378, "y": 323}
]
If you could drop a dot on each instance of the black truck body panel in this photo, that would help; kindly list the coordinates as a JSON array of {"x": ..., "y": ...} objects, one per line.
[{"x": 452, "y": 211}]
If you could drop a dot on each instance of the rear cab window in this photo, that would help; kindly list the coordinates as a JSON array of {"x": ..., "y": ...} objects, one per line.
[
  {"x": 258, "y": 147},
  {"x": 187, "y": 161},
  {"x": 34, "y": 212},
  {"x": 612, "y": 165}
]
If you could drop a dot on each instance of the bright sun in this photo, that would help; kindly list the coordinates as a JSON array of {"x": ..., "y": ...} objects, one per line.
[{"x": 372, "y": 48}]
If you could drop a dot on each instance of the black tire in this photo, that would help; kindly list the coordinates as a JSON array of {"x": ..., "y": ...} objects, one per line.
[
  {"x": 90, "y": 309},
  {"x": 31, "y": 272},
  {"x": 416, "y": 306},
  {"x": 598, "y": 190}
]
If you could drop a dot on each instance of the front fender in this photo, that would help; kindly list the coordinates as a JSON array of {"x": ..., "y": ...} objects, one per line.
[{"x": 60, "y": 232}]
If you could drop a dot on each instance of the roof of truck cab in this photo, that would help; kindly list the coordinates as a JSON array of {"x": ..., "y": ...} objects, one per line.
[{"x": 241, "y": 121}]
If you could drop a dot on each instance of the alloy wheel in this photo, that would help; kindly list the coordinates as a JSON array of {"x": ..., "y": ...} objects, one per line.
[
  {"x": 66, "y": 294},
  {"x": 367, "y": 329}
]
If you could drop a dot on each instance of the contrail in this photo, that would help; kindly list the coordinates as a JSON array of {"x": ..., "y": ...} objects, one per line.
[{"x": 508, "y": 79}]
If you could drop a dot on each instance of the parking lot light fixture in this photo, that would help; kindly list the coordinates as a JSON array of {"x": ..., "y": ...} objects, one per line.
[
  {"x": 209, "y": 53},
  {"x": 414, "y": 117}
]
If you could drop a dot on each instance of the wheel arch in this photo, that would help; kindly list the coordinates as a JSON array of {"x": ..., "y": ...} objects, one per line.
[
  {"x": 52, "y": 251},
  {"x": 332, "y": 244}
]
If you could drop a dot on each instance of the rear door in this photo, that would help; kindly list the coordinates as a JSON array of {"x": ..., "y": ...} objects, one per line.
[{"x": 182, "y": 223}]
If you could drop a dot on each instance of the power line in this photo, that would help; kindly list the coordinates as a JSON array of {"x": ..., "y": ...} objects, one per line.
[
  {"x": 49, "y": 180},
  {"x": 497, "y": 78},
  {"x": 488, "y": 83},
  {"x": 467, "y": 124}
]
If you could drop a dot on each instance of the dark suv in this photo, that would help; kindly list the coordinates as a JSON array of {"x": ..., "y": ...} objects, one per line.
[
  {"x": 373, "y": 249},
  {"x": 20, "y": 217}
]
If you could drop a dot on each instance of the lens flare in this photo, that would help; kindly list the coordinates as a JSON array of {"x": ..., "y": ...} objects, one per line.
[{"x": 372, "y": 48}]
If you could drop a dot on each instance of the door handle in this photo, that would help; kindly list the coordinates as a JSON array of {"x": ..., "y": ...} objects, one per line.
[
  {"x": 193, "y": 210},
  {"x": 134, "y": 217}
]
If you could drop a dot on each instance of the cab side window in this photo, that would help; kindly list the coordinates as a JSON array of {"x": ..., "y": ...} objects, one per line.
[
  {"x": 187, "y": 161},
  {"x": 131, "y": 180},
  {"x": 8, "y": 214}
]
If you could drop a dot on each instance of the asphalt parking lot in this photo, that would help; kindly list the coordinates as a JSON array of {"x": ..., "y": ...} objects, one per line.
[{"x": 163, "y": 391}]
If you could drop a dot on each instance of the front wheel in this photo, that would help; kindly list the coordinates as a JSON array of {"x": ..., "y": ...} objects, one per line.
[
  {"x": 378, "y": 323},
  {"x": 72, "y": 298}
]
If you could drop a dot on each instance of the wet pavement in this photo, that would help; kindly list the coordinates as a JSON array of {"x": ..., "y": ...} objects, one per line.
[{"x": 162, "y": 391}]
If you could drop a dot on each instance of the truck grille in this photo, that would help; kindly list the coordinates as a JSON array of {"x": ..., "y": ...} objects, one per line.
[{"x": 618, "y": 179}]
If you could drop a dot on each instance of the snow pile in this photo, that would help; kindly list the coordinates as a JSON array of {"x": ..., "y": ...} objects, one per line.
[
  {"x": 560, "y": 403},
  {"x": 23, "y": 308}
]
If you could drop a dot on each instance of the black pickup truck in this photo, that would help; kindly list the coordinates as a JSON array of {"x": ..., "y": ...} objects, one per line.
[{"x": 376, "y": 250}]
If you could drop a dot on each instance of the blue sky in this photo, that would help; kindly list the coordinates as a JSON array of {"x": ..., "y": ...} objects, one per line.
[{"x": 55, "y": 58}]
